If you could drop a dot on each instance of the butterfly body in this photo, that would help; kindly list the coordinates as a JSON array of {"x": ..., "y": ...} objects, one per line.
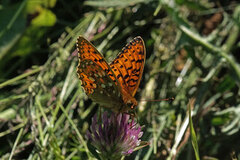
[{"x": 111, "y": 85}]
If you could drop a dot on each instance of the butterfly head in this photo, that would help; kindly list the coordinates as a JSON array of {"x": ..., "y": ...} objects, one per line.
[{"x": 129, "y": 106}]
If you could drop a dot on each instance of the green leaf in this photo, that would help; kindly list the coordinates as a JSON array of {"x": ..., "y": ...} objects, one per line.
[
  {"x": 113, "y": 3},
  {"x": 217, "y": 121},
  {"x": 46, "y": 18},
  {"x": 34, "y": 6},
  {"x": 194, "y": 5},
  {"x": 29, "y": 41},
  {"x": 8, "y": 114},
  {"x": 12, "y": 26},
  {"x": 226, "y": 84},
  {"x": 192, "y": 131},
  {"x": 49, "y": 3}
]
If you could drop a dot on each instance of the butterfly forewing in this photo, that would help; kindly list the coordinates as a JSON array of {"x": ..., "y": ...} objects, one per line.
[
  {"x": 129, "y": 64},
  {"x": 98, "y": 80}
]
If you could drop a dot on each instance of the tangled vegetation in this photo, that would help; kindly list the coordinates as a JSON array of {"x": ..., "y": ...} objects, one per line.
[{"x": 192, "y": 54}]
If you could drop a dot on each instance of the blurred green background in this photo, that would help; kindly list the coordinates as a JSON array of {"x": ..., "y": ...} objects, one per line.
[{"x": 193, "y": 55}]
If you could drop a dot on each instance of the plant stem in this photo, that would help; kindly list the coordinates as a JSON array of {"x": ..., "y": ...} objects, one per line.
[{"x": 11, "y": 81}]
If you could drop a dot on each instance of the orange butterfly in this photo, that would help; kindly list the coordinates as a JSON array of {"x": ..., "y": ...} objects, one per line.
[{"x": 111, "y": 85}]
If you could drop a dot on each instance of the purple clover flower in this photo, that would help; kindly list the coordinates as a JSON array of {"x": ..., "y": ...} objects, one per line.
[{"x": 114, "y": 136}]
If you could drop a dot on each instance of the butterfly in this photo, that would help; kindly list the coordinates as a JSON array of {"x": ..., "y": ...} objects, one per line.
[{"x": 112, "y": 85}]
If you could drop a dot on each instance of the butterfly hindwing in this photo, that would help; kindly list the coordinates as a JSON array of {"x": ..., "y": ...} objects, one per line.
[{"x": 97, "y": 84}]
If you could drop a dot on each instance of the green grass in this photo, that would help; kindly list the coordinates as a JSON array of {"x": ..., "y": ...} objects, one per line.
[{"x": 192, "y": 55}]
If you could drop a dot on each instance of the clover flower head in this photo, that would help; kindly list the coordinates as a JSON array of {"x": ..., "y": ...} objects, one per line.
[{"x": 114, "y": 136}]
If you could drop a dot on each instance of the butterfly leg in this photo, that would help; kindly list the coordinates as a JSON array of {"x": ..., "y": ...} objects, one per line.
[{"x": 132, "y": 116}]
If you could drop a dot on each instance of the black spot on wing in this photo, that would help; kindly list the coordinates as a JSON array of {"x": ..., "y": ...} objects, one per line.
[
  {"x": 118, "y": 76},
  {"x": 126, "y": 76},
  {"x": 139, "y": 60},
  {"x": 129, "y": 68}
]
